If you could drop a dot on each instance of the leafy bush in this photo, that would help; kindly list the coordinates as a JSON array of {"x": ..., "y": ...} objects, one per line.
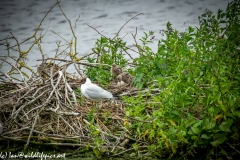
[{"x": 198, "y": 75}]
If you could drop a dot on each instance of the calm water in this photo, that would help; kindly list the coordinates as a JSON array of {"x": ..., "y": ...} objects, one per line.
[{"x": 107, "y": 16}]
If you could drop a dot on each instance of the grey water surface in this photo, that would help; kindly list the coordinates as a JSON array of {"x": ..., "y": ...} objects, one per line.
[{"x": 21, "y": 18}]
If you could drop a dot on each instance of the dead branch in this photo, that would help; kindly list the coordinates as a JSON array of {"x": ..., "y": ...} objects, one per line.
[{"x": 125, "y": 24}]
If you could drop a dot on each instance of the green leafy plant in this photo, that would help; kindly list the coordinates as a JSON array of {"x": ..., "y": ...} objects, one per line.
[
  {"x": 108, "y": 51},
  {"x": 197, "y": 74}
]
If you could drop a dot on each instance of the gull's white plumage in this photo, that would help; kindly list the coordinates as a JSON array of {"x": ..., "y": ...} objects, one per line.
[{"x": 94, "y": 92}]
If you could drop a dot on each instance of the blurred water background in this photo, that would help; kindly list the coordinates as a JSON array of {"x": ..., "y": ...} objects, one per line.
[{"x": 21, "y": 17}]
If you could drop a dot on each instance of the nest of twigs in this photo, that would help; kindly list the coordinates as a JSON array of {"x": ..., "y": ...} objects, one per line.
[{"x": 47, "y": 109}]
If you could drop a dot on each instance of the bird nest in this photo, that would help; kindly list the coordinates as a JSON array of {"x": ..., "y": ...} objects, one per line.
[{"x": 48, "y": 108}]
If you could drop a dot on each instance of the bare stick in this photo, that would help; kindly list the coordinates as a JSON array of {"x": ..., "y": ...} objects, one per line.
[
  {"x": 17, "y": 130},
  {"x": 17, "y": 70},
  {"x": 19, "y": 50},
  {"x": 136, "y": 44},
  {"x": 63, "y": 113},
  {"x": 46, "y": 102},
  {"x": 51, "y": 73},
  {"x": 78, "y": 70},
  {"x": 69, "y": 88},
  {"x": 76, "y": 21},
  {"x": 113, "y": 40},
  {"x": 233, "y": 148},
  {"x": 125, "y": 24},
  {"x": 30, "y": 102},
  {"x": 39, "y": 90},
  {"x": 25, "y": 94},
  {"x": 38, "y": 25},
  {"x": 68, "y": 124},
  {"x": 59, "y": 36},
  {"x": 30, "y": 134},
  {"x": 70, "y": 27}
]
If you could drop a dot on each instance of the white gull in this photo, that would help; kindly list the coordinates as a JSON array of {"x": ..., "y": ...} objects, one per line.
[{"x": 94, "y": 92}]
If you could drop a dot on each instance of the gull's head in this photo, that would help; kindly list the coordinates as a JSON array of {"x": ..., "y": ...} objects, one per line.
[{"x": 88, "y": 81}]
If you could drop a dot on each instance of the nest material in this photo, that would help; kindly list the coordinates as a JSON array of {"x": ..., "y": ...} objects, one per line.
[{"x": 46, "y": 109}]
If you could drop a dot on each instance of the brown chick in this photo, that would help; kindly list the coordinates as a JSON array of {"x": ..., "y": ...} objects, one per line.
[
  {"x": 125, "y": 77},
  {"x": 116, "y": 70}
]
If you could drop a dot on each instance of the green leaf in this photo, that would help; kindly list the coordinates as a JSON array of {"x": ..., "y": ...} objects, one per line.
[
  {"x": 225, "y": 126},
  {"x": 176, "y": 113},
  {"x": 96, "y": 132},
  {"x": 219, "y": 138},
  {"x": 96, "y": 152},
  {"x": 174, "y": 147},
  {"x": 218, "y": 141},
  {"x": 204, "y": 136},
  {"x": 127, "y": 113},
  {"x": 208, "y": 124},
  {"x": 211, "y": 124},
  {"x": 195, "y": 130},
  {"x": 237, "y": 113}
]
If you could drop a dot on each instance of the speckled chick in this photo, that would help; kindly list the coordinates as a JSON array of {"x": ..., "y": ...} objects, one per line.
[
  {"x": 116, "y": 70},
  {"x": 125, "y": 77}
]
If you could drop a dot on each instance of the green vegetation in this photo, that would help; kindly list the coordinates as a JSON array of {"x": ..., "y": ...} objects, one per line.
[{"x": 198, "y": 75}]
